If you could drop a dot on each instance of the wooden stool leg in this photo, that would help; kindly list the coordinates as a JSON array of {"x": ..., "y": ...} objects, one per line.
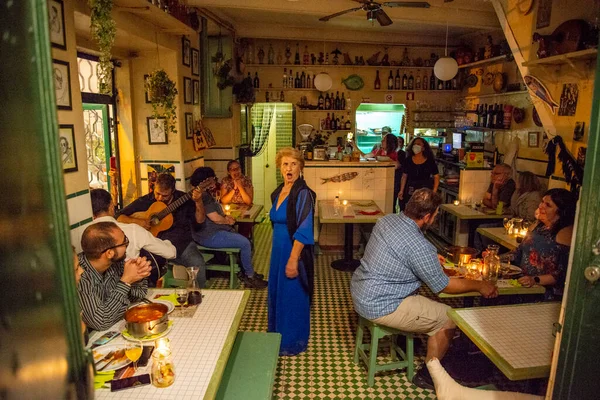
[
  {"x": 373, "y": 356},
  {"x": 393, "y": 354},
  {"x": 359, "y": 340},
  {"x": 232, "y": 273},
  {"x": 410, "y": 358}
]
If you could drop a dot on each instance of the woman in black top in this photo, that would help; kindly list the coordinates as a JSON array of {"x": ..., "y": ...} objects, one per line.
[
  {"x": 401, "y": 154},
  {"x": 419, "y": 170}
]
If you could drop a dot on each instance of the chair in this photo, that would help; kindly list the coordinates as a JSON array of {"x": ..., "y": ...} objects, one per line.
[
  {"x": 176, "y": 276},
  {"x": 233, "y": 266},
  {"x": 377, "y": 332}
]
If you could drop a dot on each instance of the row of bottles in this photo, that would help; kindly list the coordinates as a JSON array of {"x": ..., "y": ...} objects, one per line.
[
  {"x": 409, "y": 82},
  {"x": 301, "y": 81},
  {"x": 330, "y": 103},
  {"x": 492, "y": 116},
  {"x": 273, "y": 97},
  {"x": 333, "y": 123}
]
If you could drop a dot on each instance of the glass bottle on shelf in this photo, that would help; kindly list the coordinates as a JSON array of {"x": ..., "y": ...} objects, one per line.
[
  {"x": 297, "y": 57},
  {"x": 271, "y": 55},
  {"x": 448, "y": 85},
  {"x": 411, "y": 82},
  {"x": 308, "y": 82},
  {"x": 348, "y": 124},
  {"x": 290, "y": 79},
  {"x": 327, "y": 102},
  {"x": 281, "y": 97},
  {"x": 267, "y": 96},
  {"x": 297, "y": 80},
  {"x": 418, "y": 80},
  {"x": 321, "y": 101},
  {"x": 377, "y": 81},
  {"x": 285, "y": 80},
  {"x": 333, "y": 123},
  {"x": 328, "y": 122},
  {"x": 390, "y": 84},
  {"x": 432, "y": 81},
  {"x": 500, "y": 117},
  {"x": 337, "y": 101},
  {"x": 343, "y": 102},
  {"x": 440, "y": 84},
  {"x": 425, "y": 84},
  {"x": 397, "y": 80},
  {"x": 337, "y": 123},
  {"x": 303, "y": 80},
  {"x": 256, "y": 80},
  {"x": 305, "y": 56},
  {"x": 404, "y": 81}
]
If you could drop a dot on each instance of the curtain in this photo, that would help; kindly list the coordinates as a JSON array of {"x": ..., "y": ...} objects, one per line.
[{"x": 262, "y": 116}]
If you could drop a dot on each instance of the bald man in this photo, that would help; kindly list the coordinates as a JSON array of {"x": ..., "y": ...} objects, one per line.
[{"x": 501, "y": 188}]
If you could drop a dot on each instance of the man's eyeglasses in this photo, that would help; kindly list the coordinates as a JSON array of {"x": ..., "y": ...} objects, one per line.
[{"x": 125, "y": 243}]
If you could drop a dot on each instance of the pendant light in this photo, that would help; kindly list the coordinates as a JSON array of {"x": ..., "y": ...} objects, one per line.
[{"x": 446, "y": 67}]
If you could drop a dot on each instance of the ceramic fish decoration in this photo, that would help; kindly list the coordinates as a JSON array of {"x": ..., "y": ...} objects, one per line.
[
  {"x": 348, "y": 176},
  {"x": 354, "y": 82},
  {"x": 538, "y": 89}
]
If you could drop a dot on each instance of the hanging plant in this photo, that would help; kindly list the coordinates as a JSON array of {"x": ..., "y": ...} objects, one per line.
[
  {"x": 103, "y": 30},
  {"x": 162, "y": 91}
]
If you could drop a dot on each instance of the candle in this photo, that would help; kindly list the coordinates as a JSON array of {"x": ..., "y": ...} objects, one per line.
[
  {"x": 345, "y": 202},
  {"x": 456, "y": 202},
  {"x": 227, "y": 208},
  {"x": 523, "y": 232},
  {"x": 162, "y": 344}
]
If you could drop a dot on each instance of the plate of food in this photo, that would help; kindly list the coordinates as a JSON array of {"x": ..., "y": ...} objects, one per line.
[
  {"x": 364, "y": 203},
  {"x": 369, "y": 211},
  {"x": 453, "y": 272},
  {"x": 110, "y": 357},
  {"x": 507, "y": 270}
]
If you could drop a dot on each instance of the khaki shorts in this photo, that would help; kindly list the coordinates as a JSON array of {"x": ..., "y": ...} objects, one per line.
[{"x": 417, "y": 314}]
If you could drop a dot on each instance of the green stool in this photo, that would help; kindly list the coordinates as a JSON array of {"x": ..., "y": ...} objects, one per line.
[
  {"x": 377, "y": 332},
  {"x": 232, "y": 267}
]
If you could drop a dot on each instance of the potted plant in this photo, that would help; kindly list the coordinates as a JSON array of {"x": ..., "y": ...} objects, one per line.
[
  {"x": 162, "y": 91},
  {"x": 103, "y": 30}
]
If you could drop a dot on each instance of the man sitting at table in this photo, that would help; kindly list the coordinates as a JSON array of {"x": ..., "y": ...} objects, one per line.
[
  {"x": 501, "y": 188},
  {"x": 397, "y": 260},
  {"x": 108, "y": 283}
]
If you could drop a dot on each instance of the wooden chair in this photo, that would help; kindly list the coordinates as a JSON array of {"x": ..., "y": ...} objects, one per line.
[{"x": 233, "y": 266}]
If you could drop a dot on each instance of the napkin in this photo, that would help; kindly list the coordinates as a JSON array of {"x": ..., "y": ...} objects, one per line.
[
  {"x": 169, "y": 297},
  {"x": 102, "y": 378}
]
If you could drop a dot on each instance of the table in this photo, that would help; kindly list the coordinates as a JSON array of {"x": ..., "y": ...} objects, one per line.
[
  {"x": 243, "y": 212},
  {"x": 201, "y": 346},
  {"x": 470, "y": 217},
  {"x": 504, "y": 289},
  {"x": 518, "y": 339},
  {"x": 348, "y": 215},
  {"x": 499, "y": 236}
]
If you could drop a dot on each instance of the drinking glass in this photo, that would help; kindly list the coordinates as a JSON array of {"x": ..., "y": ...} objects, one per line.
[
  {"x": 468, "y": 202},
  {"x": 133, "y": 351},
  {"x": 507, "y": 223},
  {"x": 182, "y": 298}
]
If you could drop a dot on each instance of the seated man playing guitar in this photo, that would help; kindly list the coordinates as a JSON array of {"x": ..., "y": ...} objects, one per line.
[{"x": 170, "y": 215}]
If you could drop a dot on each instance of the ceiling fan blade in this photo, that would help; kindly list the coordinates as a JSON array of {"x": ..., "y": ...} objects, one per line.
[
  {"x": 382, "y": 18},
  {"x": 363, "y": 1},
  {"x": 411, "y": 4},
  {"x": 327, "y": 18}
]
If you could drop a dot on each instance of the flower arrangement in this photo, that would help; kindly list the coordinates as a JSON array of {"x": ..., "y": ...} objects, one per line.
[
  {"x": 162, "y": 91},
  {"x": 103, "y": 30}
]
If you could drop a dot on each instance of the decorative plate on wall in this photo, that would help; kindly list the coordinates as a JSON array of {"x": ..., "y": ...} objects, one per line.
[
  {"x": 488, "y": 79},
  {"x": 471, "y": 81}
]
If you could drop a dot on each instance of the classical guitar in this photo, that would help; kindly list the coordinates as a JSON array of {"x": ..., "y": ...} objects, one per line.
[{"x": 160, "y": 215}]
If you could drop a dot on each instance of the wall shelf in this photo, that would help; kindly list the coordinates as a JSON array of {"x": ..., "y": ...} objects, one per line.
[
  {"x": 482, "y": 129},
  {"x": 328, "y": 111},
  {"x": 483, "y": 96},
  {"x": 285, "y": 89},
  {"x": 151, "y": 13},
  {"x": 567, "y": 58},
  {"x": 436, "y": 111},
  {"x": 415, "y": 90},
  {"x": 294, "y": 66},
  {"x": 484, "y": 62}
]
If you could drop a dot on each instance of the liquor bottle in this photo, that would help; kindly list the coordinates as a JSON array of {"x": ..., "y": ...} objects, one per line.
[
  {"x": 267, "y": 96},
  {"x": 440, "y": 84},
  {"x": 333, "y": 122},
  {"x": 484, "y": 116},
  {"x": 256, "y": 80},
  {"x": 297, "y": 57},
  {"x": 338, "y": 102},
  {"x": 398, "y": 81},
  {"x": 305, "y": 56},
  {"x": 337, "y": 123},
  {"x": 348, "y": 123},
  {"x": 341, "y": 124},
  {"x": 490, "y": 117},
  {"x": 343, "y": 102},
  {"x": 290, "y": 79},
  {"x": 418, "y": 80},
  {"x": 303, "y": 80},
  {"x": 377, "y": 81},
  {"x": 285, "y": 81},
  {"x": 327, "y": 103},
  {"x": 321, "y": 101},
  {"x": 328, "y": 122},
  {"x": 449, "y": 84},
  {"x": 281, "y": 97},
  {"x": 411, "y": 82},
  {"x": 404, "y": 81},
  {"x": 500, "y": 117},
  {"x": 425, "y": 84},
  {"x": 478, "y": 113},
  {"x": 308, "y": 82},
  {"x": 390, "y": 81},
  {"x": 297, "y": 80},
  {"x": 432, "y": 82}
]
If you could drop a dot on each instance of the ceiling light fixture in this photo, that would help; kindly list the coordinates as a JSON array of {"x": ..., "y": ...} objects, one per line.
[{"x": 446, "y": 67}]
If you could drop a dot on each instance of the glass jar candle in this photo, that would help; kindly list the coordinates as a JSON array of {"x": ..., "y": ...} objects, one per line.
[{"x": 163, "y": 369}]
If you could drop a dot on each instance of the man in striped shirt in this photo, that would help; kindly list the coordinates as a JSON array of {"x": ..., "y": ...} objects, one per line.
[{"x": 109, "y": 283}]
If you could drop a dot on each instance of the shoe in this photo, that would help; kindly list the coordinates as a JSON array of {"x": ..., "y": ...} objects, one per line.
[
  {"x": 253, "y": 283},
  {"x": 423, "y": 379},
  {"x": 241, "y": 275}
]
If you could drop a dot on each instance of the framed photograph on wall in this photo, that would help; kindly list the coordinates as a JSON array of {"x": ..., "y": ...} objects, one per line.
[
  {"x": 56, "y": 21},
  {"x": 196, "y": 91},
  {"x": 157, "y": 130},
  {"x": 62, "y": 84},
  {"x": 544, "y": 12},
  {"x": 533, "y": 139},
  {"x": 68, "y": 152},
  {"x": 187, "y": 90},
  {"x": 195, "y": 62},
  {"x": 185, "y": 51},
  {"x": 189, "y": 125}
]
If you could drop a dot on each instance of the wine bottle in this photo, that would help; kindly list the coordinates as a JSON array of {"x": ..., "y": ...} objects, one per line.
[
  {"x": 305, "y": 56},
  {"x": 500, "y": 117},
  {"x": 338, "y": 102},
  {"x": 308, "y": 81},
  {"x": 449, "y": 84},
  {"x": 337, "y": 123},
  {"x": 327, "y": 103},
  {"x": 256, "y": 80},
  {"x": 377, "y": 81},
  {"x": 398, "y": 81},
  {"x": 478, "y": 113},
  {"x": 303, "y": 80},
  {"x": 285, "y": 80},
  {"x": 281, "y": 97},
  {"x": 343, "y": 102},
  {"x": 418, "y": 80},
  {"x": 342, "y": 123},
  {"x": 328, "y": 122},
  {"x": 297, "y": 80},
  {"x": 390, "y": 81},
  {"x": 454, "y": 83},
  {"x": 484, "y": 116},
  {"x": 411, "y": 82},
  {"x": 440, "y": 84},
  {"x": 321, "y": 101},
  {"x": 404, "y": 81},
  {"x": 290, "y": 79},
  {"x": 432, "y": 82},
  {"x": 425, "y": 84},
  {"x": 297, "y": 57},
  {"x": 348, "y": 123},
  {"x": 333, "y": 122}
]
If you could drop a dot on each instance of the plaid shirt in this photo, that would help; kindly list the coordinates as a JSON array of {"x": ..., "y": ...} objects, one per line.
[{"x": 397, "y": 259}]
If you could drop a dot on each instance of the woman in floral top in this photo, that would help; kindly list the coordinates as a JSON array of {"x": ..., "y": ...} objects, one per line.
[
  {"x": 544, "y": 253},
  {"x": 235, "y": 187}
]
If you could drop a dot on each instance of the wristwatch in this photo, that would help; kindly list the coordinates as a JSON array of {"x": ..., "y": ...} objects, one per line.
[{"x": 536, "y": 279}]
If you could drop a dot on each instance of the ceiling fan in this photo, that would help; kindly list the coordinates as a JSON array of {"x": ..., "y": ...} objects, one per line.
[{"x": 374, "y": 10}]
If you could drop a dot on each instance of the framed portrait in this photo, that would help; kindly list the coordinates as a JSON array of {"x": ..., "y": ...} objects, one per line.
[
  {"x": 62, "y": 84},
  {"x": 189, "y": 125},
  {"x": 68, "y": 152},
  {"x": 533, "y": 139},
  {"x": 187, "y": 90},
  {"x": 568, "y": 100},
  {"x": 185, "y": 51},
  {"x": 157, "y": 130},
  {"x": 146, "y": 93},
  {"x": 56, "y": 21},
  {"x": 196, "y": 91},
  {"x": 544, "y": 12},
  {"x": 195, "y": 62}
]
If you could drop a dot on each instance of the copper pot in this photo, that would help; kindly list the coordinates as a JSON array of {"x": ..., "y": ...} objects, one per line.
[
  {"x": 461, "y": 255},
  {"x": 147, "y": 319}
]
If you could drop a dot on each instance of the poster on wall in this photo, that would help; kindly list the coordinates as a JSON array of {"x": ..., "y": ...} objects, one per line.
[
  {"x": 544, "y": 12},
  {"x": 56, "y": 21},
  {"x": 156, "y": 169},
  {"x": 568, "y": 100}
]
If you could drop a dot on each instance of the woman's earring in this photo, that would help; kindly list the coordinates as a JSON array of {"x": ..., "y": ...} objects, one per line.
[{"x": 302, "y": 174}]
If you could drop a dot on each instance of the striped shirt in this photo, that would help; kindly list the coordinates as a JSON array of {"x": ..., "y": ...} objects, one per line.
[
  {"x": 398, "y": 258},
  {"x": 103, "y": 297}
]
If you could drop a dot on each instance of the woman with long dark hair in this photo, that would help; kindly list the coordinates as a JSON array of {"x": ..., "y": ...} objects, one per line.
[{"x": 419, "y": 170}]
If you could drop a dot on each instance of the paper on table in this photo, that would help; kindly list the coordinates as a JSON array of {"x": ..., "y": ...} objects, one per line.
[{"x": 172, "y": 298}]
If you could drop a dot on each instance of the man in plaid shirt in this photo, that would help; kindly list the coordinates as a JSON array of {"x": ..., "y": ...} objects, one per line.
[{"x": 397, "y": 260}]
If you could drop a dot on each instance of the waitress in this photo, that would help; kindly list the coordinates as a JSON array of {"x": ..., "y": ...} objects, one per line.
[{"x": 419, "y": 170}]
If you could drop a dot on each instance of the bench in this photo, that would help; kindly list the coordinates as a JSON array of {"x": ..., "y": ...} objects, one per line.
[
  {"x": 233, "y": 267},
  {"x": 250, "y": 370}
]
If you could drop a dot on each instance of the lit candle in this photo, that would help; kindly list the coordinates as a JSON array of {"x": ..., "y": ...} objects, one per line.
[
  {"x": 523, "y": 232},
  {"x": 162, "y": 344},
  {"x": 227, "y": 208},
  {"x": 456, "y": 202},
  {"x": 345, "y": 202}
]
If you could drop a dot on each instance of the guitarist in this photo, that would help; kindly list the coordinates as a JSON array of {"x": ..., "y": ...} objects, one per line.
[{"x": 185, "y": 217}]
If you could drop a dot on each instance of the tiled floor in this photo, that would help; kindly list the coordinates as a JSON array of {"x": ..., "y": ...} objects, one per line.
[{"x": 326, "y": 370}]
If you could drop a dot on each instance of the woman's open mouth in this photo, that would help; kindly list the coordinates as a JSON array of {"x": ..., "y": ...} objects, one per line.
[{"x": 289, "y": 175}]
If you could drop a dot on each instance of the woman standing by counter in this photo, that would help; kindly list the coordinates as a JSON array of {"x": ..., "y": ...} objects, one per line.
[{"x": 419, "y": 170}]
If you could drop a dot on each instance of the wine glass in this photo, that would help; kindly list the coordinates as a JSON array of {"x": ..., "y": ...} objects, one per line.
[
  {"x": 468, "y": 202},
  {"x": 182, "y": 297},
  {"x": 133, "y": 351}
]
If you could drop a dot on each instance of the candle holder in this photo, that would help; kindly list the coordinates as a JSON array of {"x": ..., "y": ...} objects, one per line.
[
  {"x": 456, "y": 202},
  {"x": 344, "y": 202},
  {"x": 227, "y": 209}
]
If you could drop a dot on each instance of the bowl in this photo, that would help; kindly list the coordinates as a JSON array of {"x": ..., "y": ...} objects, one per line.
[{"x": 323, "y": 82}]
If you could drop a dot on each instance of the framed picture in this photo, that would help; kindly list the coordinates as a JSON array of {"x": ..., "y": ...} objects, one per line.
[
  {"x": 196, "y": 91},
  {"x": 68, "y": 152},
  {"x": 578, "y": 131},
  {"x": 189, "y": 126},
  {"x": 533, "y": 139},
  {"x": 157, "y": 130},
  {"x": 210, "y": 139},
  {"x": 544, "y": 12},
  {"x": 62, "y": 84},
  {"x": 56, "y": 20},
  {"x": 195, "y": 62},
  {"x": 568, "y": 100},
  {"x": 146, "y": 93},
  {"x": 185, "y": 51},
  {"x": 187, "y": 90}
]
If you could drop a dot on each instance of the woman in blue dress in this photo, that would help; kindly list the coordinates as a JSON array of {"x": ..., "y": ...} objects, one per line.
[{"x": 291, "y": 274}]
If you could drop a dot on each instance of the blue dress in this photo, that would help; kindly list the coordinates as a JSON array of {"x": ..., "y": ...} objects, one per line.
[{"x": 288, "y": 302}]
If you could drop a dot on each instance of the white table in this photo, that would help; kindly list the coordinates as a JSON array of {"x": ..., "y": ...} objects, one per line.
[
  {"x": 499, "y": 236},
  {"x": 517, "y": 339},
  {"x": 200, "y": 346}
]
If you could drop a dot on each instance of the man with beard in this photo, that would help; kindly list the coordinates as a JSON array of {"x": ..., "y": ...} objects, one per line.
[
  {"x": 108, "y": 283},
  {"x": 397, "y": 260}
]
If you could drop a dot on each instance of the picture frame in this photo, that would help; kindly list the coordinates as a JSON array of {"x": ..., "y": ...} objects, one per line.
[
  {"x": 195, "y": 91},
  {"x": 210, "y": 139},
  {"x": 544, "y": 12},
  {"x": 56, "y": 22},
  {"x": 579, "y": 131},
  {"x": 195, "y": 54},
  {"x": 568, "y": 100},
  {"x": 533, "y": 139},
  {"x": 185, "y": 51},
  {"x": 187, "y": 90},
  {"x": 61, "y": 72},
  {"x": 147, "y": 98},
  {"x": 189, "y": 125},
  {"x": 68, "y": 150},
  {"x": 157, "y": 130}
]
